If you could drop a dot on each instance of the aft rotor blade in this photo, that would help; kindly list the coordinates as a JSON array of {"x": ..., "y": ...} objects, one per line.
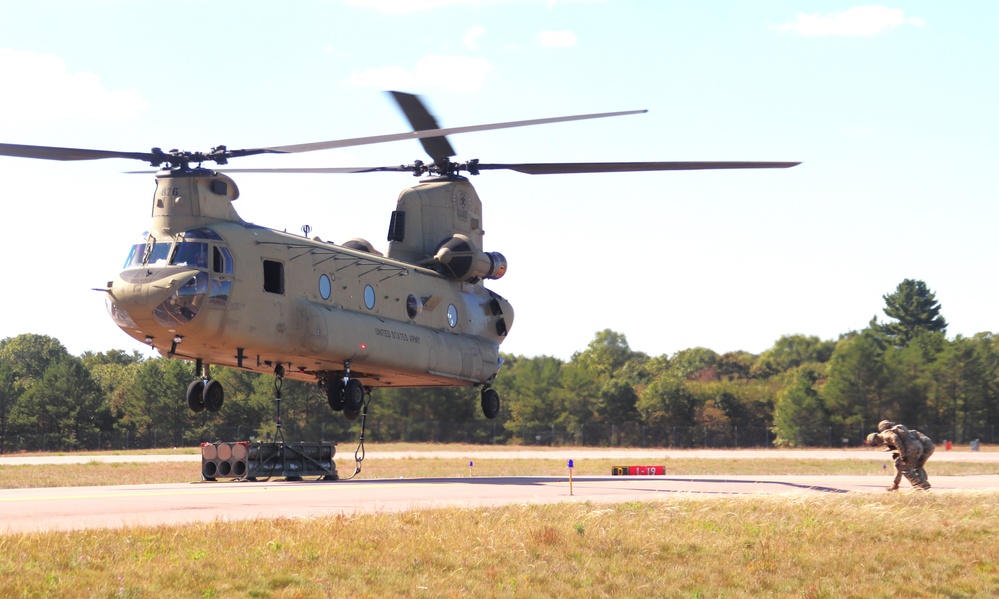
[
  {"x": 438, "y": 147},
  {"x": 377, "y": 139},
  {"x": 55, "y": 153},
  {"x": 322, "y": 170},
  {"x": 559, "y": 168}
]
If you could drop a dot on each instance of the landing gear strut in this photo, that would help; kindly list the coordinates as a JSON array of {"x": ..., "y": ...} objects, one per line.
[
  {"x": 204, "y": 391},
  {"x": 346, "y": 396}
]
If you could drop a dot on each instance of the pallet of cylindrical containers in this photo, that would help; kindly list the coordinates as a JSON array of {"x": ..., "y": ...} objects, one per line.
[
  {"x": 243, "y": 460},
  {"x": 637, "y": 470}
]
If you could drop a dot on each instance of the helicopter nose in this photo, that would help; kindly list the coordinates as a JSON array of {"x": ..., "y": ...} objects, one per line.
[{"x": 170, "y": 299}]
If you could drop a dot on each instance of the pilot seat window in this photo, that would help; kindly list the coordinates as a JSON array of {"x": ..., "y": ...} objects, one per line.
[
  {"x": 190, "y": 253},
  {"x": 148, "y": 254}
]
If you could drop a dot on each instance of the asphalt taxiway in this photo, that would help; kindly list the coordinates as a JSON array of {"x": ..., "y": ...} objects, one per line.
[{"x": 71, "y": 508}]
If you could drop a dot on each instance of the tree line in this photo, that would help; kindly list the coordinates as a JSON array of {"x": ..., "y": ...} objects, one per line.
[{"x": 801, "y": 392}]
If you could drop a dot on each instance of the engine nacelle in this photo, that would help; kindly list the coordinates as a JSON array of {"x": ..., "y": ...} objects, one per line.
[
  {"x": 459, "y": 258},
  {"x": 361, "y": 245}
]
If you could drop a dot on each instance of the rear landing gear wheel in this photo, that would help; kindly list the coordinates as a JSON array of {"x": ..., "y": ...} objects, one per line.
[
  {"x": 196, "y": 395},
  {"x": 213, "y": 396},
  {"x": 353, "y": 397},
  {"x": 490, "y": 403}
]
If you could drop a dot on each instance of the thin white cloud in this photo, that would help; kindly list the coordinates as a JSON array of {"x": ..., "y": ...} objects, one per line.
[
  {"x": 457, "y": 73},
  {"x": 39, "y": 87},
  {"x": 867, "y": 21},
  {"x": 556, "y": 39},
  {"x": 471, "y": 37}
]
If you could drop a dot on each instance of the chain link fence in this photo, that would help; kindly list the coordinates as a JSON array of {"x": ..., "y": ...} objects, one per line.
[{"x": 476, "y": 432}]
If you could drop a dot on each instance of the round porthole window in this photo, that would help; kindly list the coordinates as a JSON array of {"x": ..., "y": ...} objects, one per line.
[
  {"x": 369, "y": 297},
  {"x": 325, "y": 287},
  {"x": 414, "y": 306},
  {"x": 452, "y": 315}
]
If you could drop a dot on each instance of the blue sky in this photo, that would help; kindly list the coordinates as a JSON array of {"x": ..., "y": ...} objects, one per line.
[{"x": 891, "y": 108}]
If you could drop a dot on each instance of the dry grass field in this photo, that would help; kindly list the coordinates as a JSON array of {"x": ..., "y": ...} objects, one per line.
[
  {"x": 890, "y": 545},
  {"x": 936, "y": 544}
]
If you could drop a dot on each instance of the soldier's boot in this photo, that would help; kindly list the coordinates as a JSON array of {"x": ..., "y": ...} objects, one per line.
[{"x": 913, "y": 478}]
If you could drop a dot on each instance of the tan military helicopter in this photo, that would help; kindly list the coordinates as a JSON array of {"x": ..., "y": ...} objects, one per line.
[{"x": 209, "y": 287}]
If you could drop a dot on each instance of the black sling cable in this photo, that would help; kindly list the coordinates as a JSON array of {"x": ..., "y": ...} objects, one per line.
[
  {"x": 278, "y": 382},
  {"x": 359, "y": 452}
]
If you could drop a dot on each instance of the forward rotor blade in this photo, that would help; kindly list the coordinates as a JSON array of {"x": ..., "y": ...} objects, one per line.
[
  {"x": 438, "y": 147},
  {"x": 560, "y": 168},
  {"x": 377, "y": 139},
  {"x": 221, "y": 154},
  {"x": 55, "y": 153}
]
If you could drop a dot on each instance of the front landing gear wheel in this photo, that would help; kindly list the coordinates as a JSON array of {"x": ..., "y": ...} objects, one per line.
[
  {"x": 196, "y": 395},
  {"x": 334, "y": 394},
  {"x": 213, "y": 395},
  {"x": 490, "y": 403}
]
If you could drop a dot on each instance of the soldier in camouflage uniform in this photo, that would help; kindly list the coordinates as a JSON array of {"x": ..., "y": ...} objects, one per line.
[
  {"x": 906, "y": 450},
  {"x": 928, "y": 448}
]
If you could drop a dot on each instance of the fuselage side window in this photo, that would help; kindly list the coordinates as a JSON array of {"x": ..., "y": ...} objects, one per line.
[
  {"x": 273, "y": 276},
  {"x": 221, "y": 260}
]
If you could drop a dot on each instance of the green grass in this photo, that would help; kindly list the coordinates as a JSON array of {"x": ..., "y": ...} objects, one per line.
[{"x": 871, "y": 545}]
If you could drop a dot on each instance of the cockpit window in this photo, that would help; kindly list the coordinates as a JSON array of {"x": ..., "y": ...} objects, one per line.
[
  {"x": 202, "y": 233},
  {"x": 157, "y": 257},
  {"x": 190, "y": 253}
]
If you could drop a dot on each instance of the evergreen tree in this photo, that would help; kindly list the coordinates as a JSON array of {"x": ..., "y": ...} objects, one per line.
[
  {"x": 854, "y": 395},
  {"x": 65, "y": 402},
  {"x": 10, "y": 392},
  {"x": 915, "y": 309}
]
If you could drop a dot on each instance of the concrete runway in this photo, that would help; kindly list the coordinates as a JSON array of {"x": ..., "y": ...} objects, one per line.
[
  {"x": 72, "y": 508},
  {"x": 540, "y": 453}
]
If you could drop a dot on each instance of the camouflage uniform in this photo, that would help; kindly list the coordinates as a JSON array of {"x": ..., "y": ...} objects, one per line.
[
  {"x": 928, "y": 448},
  {"x": 907, "y": 451}
]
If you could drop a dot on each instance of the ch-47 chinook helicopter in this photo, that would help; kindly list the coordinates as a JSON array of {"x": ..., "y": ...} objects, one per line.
[{"x": 207, "y": 286}]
